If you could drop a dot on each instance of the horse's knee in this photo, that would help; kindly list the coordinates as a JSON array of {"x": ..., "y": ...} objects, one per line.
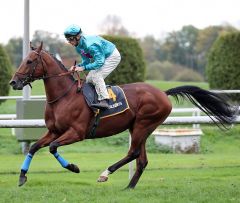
[
  {"x": 135, "y": 153},
  {"x": 35, "y": 147},
  {"x": 53, "y": 147}
]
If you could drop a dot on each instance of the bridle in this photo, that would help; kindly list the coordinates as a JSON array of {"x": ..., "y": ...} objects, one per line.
[
  {"x": 32, "y": 67},
  {"x": 30, "y": 75}
]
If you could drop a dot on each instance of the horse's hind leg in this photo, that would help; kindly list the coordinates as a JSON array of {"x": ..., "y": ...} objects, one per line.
[
  {"x": 133, "y": 153},
  {"x": 141, "y": 162}
]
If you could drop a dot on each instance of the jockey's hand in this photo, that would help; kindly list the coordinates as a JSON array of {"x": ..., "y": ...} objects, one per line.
[{"x": 76, "y": 68}]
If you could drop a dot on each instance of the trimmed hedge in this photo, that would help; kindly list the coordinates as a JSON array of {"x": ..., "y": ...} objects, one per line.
[
  {"x": 223, "y": 67},
  {"x": 5, "y": 73},
  {"x": 132, "y": 67}
]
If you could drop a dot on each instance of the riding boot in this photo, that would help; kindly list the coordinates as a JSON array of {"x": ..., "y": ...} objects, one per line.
[{"x": 103, "y": 104}]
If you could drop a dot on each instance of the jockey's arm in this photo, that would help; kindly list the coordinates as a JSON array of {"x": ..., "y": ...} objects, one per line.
[
  {"x": 98, "y": 58},
  {"x": 85, "y": 61}
]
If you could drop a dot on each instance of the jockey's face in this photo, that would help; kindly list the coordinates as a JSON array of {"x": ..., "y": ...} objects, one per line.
[{"x": 74, "y": 40}]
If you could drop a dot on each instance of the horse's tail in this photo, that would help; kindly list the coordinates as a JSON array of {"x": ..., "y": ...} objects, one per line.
[{"x": 214, "y": 105}]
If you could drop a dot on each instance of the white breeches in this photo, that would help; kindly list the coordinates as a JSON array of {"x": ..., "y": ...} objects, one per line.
[{"x": 96, "y": 77}]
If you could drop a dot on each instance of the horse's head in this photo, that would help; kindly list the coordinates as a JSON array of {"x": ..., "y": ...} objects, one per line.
[{"x": 30, "y": 69}]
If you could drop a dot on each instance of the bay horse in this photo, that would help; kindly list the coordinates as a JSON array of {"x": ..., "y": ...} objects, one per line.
[{"x": 68, "y": 117}]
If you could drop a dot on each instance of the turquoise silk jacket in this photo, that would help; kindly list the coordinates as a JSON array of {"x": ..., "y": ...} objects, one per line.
[{"x": 94, "y": 50}]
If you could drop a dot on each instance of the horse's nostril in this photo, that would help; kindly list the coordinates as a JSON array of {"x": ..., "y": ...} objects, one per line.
[{"x": 12, "y": 82}]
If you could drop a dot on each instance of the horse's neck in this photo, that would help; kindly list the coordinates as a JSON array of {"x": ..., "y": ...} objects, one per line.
[{"x": 55, "y": 86}]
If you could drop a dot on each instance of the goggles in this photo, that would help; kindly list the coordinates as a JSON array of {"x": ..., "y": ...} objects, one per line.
[{"x": 69, "y": 39}]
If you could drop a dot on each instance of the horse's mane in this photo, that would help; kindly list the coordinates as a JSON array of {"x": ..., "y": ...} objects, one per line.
[{"x": 61, "y": 65}]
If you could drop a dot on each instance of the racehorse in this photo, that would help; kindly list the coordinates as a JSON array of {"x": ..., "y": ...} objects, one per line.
[{"x": 68, "y": 117}]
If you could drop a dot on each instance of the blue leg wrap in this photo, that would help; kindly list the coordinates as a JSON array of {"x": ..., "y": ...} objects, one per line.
[
  {"x": 26, "y": 163},
  {"x": 61, "y": 160}
]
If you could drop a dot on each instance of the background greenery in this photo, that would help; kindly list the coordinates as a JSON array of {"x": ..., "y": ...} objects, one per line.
[
  {"x": 132, "y": 65},
  {"x": 5, "y": 73},
  {"x": 185, "y": 49},
  {"x": 224, "y": 62}
]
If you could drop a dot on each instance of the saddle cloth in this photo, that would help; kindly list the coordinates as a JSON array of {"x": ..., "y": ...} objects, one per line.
[{"x": 117, "y": 102}]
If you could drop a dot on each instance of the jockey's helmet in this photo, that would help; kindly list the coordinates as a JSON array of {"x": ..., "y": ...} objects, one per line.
[{"x": 72, "y": 30}]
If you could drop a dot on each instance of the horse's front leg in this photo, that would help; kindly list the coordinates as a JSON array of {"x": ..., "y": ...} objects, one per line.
[
  {"x": 42, "y": 142},
  {"x": 69, "y": 137}
]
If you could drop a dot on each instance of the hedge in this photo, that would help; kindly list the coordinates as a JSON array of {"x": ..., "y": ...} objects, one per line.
[
  {"x": 132, "y": 67},
  {"x": 223, "y": 67},
  {"x": 5, "y": 73}
]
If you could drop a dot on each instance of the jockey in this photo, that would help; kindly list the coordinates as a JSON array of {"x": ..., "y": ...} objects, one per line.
[{"x": 98, "y": 55}]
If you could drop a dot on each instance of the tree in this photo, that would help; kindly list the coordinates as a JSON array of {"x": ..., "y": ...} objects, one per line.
[
  {"x": 132, "y": 65},
  {"x": 224, "y": 61},
  {"x": 179, "y": 46},
  {"x": 112, "y": 25},
  {"x": 150, "y": 47},
  {"x": 14, "y": 49},
  {"x": 206, "y": 38},
  {"x": 55, "y": 45},
  {"x": 5, "y": 72}
]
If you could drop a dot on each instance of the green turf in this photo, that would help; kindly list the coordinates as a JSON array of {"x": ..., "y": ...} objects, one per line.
[{"x": 168, "y": 178}]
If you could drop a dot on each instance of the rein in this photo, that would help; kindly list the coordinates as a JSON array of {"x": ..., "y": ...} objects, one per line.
[{"x": 30, "y": 77}]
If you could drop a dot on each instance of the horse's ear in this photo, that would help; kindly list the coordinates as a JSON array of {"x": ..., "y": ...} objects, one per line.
[
  {"x": 40, "y": 47},
  {"x": 31, "y": 47}
]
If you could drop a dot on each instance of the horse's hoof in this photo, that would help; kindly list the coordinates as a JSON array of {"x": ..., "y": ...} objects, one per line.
[
  {"x": 74, "y": 168},
  {"x": 22, "y": 180},
  {"x": 102, "y": 179}
]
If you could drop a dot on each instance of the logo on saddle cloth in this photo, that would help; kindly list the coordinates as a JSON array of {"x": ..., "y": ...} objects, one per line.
[{"x": 117, "y": 102}]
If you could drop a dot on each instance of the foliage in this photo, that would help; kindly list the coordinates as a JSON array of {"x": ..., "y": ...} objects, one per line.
[
  {"x": 150, "y": 48},
  {"x": 132, "y": 65},
  {"x": 187, "y": 47},
  {"x": 169, "y": 71},
  {"x": 54, "y": 44},
  {"x": 5, "y": 73},
  {"x": 112, "y": 25},
  {"x": 14, "y": 48},
  {"x": 205, "y": 40},
  {"x": 188, "y": 75},
  {"x": 224, "y": 62}
]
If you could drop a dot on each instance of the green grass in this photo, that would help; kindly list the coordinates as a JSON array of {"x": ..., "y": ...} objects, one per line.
[
  {"x": 211, "y": 176},
  {"x": 165, "y": 85},
  {"x": 168, "y": 178}
]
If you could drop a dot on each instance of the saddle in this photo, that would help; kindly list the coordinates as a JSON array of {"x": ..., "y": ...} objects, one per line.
[{"x": 117, "y": 104}]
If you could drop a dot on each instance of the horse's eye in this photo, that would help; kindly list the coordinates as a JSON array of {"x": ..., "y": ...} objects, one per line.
[{"x": 29, "y": 61}]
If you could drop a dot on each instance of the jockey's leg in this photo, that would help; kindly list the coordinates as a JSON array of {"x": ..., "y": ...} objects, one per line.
[
  {"x": 42, "y": 142},
  {"x": 68, "y": 137},
  {"x": 110, "y": 64},
  {"x": 96, "y": 77},
  {"x": 97, "y": 80}
]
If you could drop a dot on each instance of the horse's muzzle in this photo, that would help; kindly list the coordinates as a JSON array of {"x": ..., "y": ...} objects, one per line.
[{"x": 16, "y": 85}]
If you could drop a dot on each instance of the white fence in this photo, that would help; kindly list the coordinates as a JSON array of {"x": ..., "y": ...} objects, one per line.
[{"x": 173, "y": 120}]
